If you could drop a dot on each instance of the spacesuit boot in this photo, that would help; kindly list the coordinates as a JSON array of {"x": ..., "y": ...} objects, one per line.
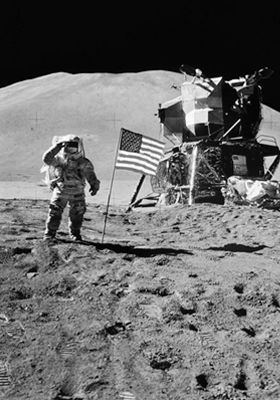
[
  {"x": 75, "y": 236},
  {"x": 49, "y": 235}
]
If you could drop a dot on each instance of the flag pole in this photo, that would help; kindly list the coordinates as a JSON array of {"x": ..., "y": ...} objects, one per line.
[{"x": 111, "y": 186}]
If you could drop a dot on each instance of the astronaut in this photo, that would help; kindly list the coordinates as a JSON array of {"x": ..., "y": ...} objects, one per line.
[{"x": 67, "y": 171}]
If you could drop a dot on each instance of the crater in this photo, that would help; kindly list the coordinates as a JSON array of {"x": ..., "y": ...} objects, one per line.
[{"x": 240, "y": 312}]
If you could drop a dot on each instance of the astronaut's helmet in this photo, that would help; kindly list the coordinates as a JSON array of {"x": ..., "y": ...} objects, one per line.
[{"x": 71, "y": 147}]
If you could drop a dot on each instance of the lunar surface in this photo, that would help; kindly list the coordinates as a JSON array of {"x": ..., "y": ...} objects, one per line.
[{"x": 181, "y": 302}]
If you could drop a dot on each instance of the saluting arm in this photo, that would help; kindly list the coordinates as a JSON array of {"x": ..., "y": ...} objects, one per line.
[{"x": 49, "y": 155}]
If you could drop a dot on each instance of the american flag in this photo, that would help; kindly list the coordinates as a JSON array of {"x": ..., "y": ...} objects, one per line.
[{"x": 139, "y": 153}]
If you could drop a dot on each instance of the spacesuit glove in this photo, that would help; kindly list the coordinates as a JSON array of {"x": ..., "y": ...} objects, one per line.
[{"x": 93, "y": 190}]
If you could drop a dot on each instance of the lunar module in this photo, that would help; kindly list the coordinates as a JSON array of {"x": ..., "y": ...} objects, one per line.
[{"x": 213, "y": 130}]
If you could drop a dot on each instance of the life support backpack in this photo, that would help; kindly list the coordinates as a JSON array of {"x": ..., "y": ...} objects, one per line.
[{"x": 52, "y": 175}]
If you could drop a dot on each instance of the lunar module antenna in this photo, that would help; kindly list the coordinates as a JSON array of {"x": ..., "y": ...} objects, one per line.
[
  {"x": 263, "y": 73},
  {"x": 196, "y": 73},
  {"x": 187, "y": 70}
]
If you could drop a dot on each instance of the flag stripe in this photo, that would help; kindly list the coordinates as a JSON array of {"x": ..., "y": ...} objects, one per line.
[
  {"x": 154, "y": 142},
  {"x": 154, "y": 156},
  {"x": 136, "y": 163},
  {"x": 151, "y": 147},
  {"x": 133, "y": 164},
  {"x": 148, "y": 146},
  {"x": 141, "y": 157},
  {"x": 136, "y": 169},
  {"x": 151, "y": 150}
]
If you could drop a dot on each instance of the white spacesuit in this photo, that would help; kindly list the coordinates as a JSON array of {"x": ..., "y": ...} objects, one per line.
[{"x": 67, "y": 172}]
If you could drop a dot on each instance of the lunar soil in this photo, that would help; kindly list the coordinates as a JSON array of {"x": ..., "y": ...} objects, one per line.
[{"x": 177, "y": 303}]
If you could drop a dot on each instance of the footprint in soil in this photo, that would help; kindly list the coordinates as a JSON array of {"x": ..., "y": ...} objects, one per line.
[
  {"x": 67, "y": 349},
  {"x": 5, "y": 378}
]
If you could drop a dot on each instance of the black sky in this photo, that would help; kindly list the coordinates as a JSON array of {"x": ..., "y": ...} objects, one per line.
[{"x": 229, "y": 38}]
